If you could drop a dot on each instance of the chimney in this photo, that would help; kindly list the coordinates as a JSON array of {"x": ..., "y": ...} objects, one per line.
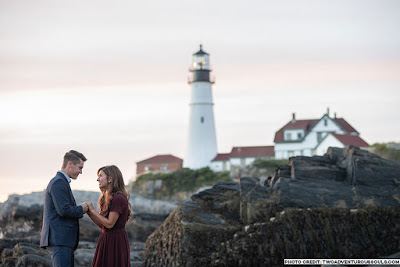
[
  {"x": 327, "y": 111},
  {"x": 294, "y": 116},
  {"x": 335, "y": 115}
]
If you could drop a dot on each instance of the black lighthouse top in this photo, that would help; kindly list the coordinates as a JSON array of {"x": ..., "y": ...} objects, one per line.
[
  {"x": 200, "y": 52},
  {"x": 200, "y": 67}
]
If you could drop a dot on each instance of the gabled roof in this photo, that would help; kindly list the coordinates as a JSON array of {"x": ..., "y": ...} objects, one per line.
[
  {"x": 247, "y": 152},
  {"x": 252, "y": 152},
  {"x": 222, "y": 157},
  {"x": 307, "y": 125},
  {"x": 160, "y": 159},
  {"x": 345, "y": 125},
  {"x": 350, "y": 139}
]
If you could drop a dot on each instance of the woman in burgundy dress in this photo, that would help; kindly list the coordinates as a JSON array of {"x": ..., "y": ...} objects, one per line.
[{"x": 113, "y": 245}]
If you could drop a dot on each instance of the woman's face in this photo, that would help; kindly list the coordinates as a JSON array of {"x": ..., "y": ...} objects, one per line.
[{"x": 103, "y": 181}]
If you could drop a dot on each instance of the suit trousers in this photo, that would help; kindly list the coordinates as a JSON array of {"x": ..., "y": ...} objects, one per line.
[{"x": 61, "y": 256}]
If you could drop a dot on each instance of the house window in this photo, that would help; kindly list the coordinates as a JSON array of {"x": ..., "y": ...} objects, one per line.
[
  {"x": 288, "y": 136},
  {"x": 164, "y": 168},
  {"x": 147, "y": 168},
  {"x": 298, "y": 135},
  {"x": 202, "y": 119},
  {"x": 326, "y": 122}
]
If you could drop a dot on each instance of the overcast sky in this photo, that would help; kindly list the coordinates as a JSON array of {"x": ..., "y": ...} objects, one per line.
[{"x": 109, "y": 79}]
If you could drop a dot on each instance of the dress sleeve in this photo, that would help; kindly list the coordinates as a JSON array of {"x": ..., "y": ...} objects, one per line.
[{"x": 118, "y": 203}]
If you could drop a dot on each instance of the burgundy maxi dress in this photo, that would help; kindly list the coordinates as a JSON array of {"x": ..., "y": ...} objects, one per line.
[{"x": 113, "y": 245}]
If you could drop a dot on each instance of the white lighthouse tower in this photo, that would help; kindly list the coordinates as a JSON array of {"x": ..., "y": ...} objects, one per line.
[{"x": 202, "y": 142}]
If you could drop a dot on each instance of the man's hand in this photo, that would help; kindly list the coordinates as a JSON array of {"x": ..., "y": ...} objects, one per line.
[{"x": 85, "y": 207}]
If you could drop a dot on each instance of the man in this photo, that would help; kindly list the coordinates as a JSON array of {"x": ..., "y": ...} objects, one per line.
[{"x": 60, "y": 230}]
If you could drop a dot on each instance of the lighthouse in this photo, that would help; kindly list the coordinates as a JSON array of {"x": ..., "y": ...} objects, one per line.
[{"x": 201, "y": 145}]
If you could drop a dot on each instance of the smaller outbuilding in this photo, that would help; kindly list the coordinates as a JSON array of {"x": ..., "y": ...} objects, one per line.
[
  {"x": 160, "y": 163},
  {"x": 241, "y": 157}
]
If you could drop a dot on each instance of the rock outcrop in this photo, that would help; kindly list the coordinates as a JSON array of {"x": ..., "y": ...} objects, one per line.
[{"x": 341, "y": 205}]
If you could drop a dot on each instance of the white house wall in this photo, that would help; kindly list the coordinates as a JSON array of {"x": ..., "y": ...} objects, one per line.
[
  {"x": 286, "y": 150},
  {"x": 249, "y": 161},
  {"x": 329, "y": 141},
  {"x": 217, "y": 166},
  {"x": 234, "y": 161},
  {"x": 220, "y": 166},
  {"x": 241, "y": 161}
]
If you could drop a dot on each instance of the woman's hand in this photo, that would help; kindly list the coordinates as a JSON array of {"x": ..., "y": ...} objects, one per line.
[{"x": 91, "y": 207}]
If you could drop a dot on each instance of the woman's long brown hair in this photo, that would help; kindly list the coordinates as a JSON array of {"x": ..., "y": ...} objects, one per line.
[{"x": 117, "y": 186}]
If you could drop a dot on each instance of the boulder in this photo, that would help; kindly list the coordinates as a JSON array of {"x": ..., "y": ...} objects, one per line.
[
  {"x": 7, "y": 252},
  {"x": 23, "y": 248},
  {"x": 9, "y": 262},
  {"x": 321, "y": 168},
  {"x": 32, "y": 260},
  {"x": 221, "y": 198},
  {"x": 186, "y": 238},
  {"x": 84, "y": 256}
]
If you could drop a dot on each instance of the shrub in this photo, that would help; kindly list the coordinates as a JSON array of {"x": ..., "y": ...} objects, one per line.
[
  {"x": 382, "y": 150},
  {"x": 182, "y": 180}
]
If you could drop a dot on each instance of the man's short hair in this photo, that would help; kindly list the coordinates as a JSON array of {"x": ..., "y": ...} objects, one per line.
[{"x": 74, "y": 157}]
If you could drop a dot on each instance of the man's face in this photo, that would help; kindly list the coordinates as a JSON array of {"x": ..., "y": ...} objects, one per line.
[{"x": 75, "y": 169}]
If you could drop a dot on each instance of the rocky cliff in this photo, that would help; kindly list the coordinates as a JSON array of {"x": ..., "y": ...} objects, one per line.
[{"x": 344, "y": 204}]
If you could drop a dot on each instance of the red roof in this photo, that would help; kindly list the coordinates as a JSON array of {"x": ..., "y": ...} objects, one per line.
[
  {"x": 306, "y": 125},
  {"x": 160, "y": 159},
  {"x": 349, "y": 139},
  {"x": 222, "y": 157},
  {"x": 247, "y": 152},
  {"x": 345, "y": 125},
  {"x": 252, "y": 152}
]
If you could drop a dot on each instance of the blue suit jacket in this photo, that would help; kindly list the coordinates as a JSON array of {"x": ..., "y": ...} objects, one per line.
[{"x": 60, "y": 215}]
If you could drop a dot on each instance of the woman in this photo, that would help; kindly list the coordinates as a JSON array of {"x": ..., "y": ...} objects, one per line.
[{"x": 113, "y": 245}]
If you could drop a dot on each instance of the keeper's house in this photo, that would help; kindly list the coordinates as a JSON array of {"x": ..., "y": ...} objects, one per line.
[{"x": 313, "y": 137}]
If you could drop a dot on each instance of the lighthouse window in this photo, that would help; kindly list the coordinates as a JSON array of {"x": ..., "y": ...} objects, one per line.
[{"x": 202, "y": 119}]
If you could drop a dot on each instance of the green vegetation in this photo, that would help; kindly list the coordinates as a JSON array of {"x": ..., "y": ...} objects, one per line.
[
  {"x": 182, "y": 180},
  {"x": 269, "y": 164},
  {"x": 383, "y": 150}
]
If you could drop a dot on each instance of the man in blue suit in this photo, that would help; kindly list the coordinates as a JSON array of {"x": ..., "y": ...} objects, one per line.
[{"x": 60, "y": 230}]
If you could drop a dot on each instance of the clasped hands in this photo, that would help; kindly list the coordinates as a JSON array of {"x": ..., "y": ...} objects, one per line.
[{"x": 87, "y": 206}]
